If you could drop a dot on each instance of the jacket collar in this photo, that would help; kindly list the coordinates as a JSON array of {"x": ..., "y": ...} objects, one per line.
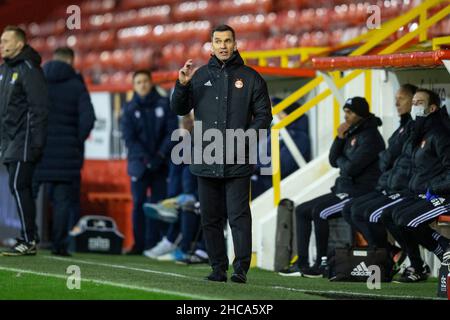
[
  {"x": 370, "y": 122},
  {"x": 234, "y": 61},
  {"x": 147, "y": 101}
]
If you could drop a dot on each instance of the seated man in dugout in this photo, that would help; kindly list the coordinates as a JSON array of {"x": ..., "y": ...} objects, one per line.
[{"x": 355, "y": 152}]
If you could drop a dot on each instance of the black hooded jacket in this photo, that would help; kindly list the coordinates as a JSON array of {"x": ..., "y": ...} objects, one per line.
[
  {"x": 395, "y": 161},
  {"x": 431, "y": 155},
  {"x": 224, "y": 96},
  {"x": 71, "y": 119},
  {"x": 23, "y": 107},
  {"x": 357, "y": 158}
]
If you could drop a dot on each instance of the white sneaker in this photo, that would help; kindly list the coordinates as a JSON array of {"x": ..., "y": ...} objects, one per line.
[{"x": 163, "y": 247}]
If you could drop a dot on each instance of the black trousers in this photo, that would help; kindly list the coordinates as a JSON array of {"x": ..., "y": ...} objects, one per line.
[
  {"x": 221, "y": 199},
  {"x": 147, "y": 232},
  {"x": 65, "y": 198},
  {"x": 408, "y": 223},
  {"x": 317, "y": 210},
  {"x": 364, "y": 213},
  {"x": 20, "y": 184}
]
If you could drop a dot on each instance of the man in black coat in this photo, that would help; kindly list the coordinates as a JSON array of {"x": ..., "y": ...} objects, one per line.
[
  {"x": 23, "y": 127},
  {"x": 428, "y": 188},
  {"x": 70, "y": 121},
  {"x": 225, "y": 94},
  {"x": 355, "y": 152},
  {"x": 147, "y": 124}
]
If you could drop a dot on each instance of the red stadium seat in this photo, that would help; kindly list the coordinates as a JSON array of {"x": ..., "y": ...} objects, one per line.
[
  {"x": 100, "y": 22},
  {"x": 97, "y": 6},
  {"x": 134, "y": 34},
  {"x": 154, "y": 15},
  {"x": 134, "y": 4},
  {"x": 193, "y": 10}
]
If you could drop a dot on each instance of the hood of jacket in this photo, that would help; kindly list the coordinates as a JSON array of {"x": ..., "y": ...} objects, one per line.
[
  {"x": 29, "y": 54},
  {"x": 370, "y": 122},
  {"x": 58, "y": 71}
]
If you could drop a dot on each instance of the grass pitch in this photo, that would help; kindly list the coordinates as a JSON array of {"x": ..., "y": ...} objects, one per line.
[{"x": 138, "y": 278}]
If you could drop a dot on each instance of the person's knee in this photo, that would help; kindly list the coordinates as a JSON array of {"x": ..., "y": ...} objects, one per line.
[
  {"x": 401, "y": 220},
  {"x": 302, "y": 211},
  {"x": 386, "y": 217},
  {"x": 347, "y": 214}
]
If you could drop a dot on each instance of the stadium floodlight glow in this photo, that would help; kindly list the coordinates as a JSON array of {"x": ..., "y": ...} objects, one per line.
[{"x": 413, "y": 27}]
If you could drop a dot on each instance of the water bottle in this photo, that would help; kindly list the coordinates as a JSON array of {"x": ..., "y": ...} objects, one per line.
[{"x": 448, "y": 284}]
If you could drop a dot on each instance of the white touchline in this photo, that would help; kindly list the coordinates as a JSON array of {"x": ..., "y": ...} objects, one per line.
[
  {"x": 110, "y": 283},
  {"x": 252, "y": 285},
  {"x": 118, "y": 266},
  {"x": 356, "y": 294}
]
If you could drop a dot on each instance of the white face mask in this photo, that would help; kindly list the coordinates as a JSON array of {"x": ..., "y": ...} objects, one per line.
[{"x": 418, "y": 111}]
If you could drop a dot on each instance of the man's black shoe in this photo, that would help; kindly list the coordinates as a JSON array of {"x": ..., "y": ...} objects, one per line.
[
  {"x": 219, "y": 276},
  {"x": 21, "y": 248},
  {"x": 238, "y": 277}
]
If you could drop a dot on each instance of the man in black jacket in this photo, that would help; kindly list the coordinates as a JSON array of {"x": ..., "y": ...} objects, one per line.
[
  {"x": 225, "y": 94},
  {"x": 23, "y": 127},
  {"x": 363, "y": 212},
  {"x": 147, "y": 124},
  {"x": 355, "y": 152},
  {"x": 429, "y": 186},
  {"x": 71, "y": 119}
]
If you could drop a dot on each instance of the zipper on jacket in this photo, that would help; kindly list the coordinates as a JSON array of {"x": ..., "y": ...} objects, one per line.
[{"x": 25, "y": 151}]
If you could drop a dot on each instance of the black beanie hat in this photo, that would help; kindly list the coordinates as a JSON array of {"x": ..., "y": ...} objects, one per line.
[{"x": 358, "y": 105}]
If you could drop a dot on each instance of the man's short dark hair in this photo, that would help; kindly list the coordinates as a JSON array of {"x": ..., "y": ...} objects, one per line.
[
  {"x": 64, "y": 52},
  {"x": 408, "y": 88},
  {"x": 433, "y": 97},
  {"x": 20, "y": 34},
  {"x": 148, "y": 73},
  {"x": 221, "y": 28}
]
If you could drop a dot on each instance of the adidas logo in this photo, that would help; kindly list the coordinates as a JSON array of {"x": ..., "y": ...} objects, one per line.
[
  {"x": 208, "y": 84},
  {"x": 361, "y": 270}
]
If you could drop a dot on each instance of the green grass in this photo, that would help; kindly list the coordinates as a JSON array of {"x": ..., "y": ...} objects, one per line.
[{"x": 136, "y": 277}]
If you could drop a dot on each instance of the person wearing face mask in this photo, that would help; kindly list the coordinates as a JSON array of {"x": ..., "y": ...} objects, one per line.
[
  {"x": 429, "y": 187},
  {"x": 23, "y": 128},
  {"x": 363, "y": 213},
  {"x": 147, "y": 124},
  {"x": 355, "y": 152},
  {"x": 226, "y": 95}
]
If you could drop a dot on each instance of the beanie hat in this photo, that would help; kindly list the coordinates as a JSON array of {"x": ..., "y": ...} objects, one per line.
[{"x": 358, "y": 105}]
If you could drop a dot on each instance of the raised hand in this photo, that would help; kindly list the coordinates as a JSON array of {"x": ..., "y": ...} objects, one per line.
[
  {"x": 343, "y": 129},
  {"x": 186, "y": 73}
]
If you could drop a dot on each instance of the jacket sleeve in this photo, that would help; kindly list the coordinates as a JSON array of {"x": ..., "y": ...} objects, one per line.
[
  {"x": 393, "y": 151},
  {"x": 135, "y": 147},
  {"x": 36, "y": 92},
  {"x": 365, "y": 154},
  {"x": 261, "y": 106},
  {"x": 86, "y": 114},
  {"x": 336, "y": 151},
  {"x": 182, "y": 96},
  {"x": 440, "y": 185},
  {"x": 170, "y": 126}
]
